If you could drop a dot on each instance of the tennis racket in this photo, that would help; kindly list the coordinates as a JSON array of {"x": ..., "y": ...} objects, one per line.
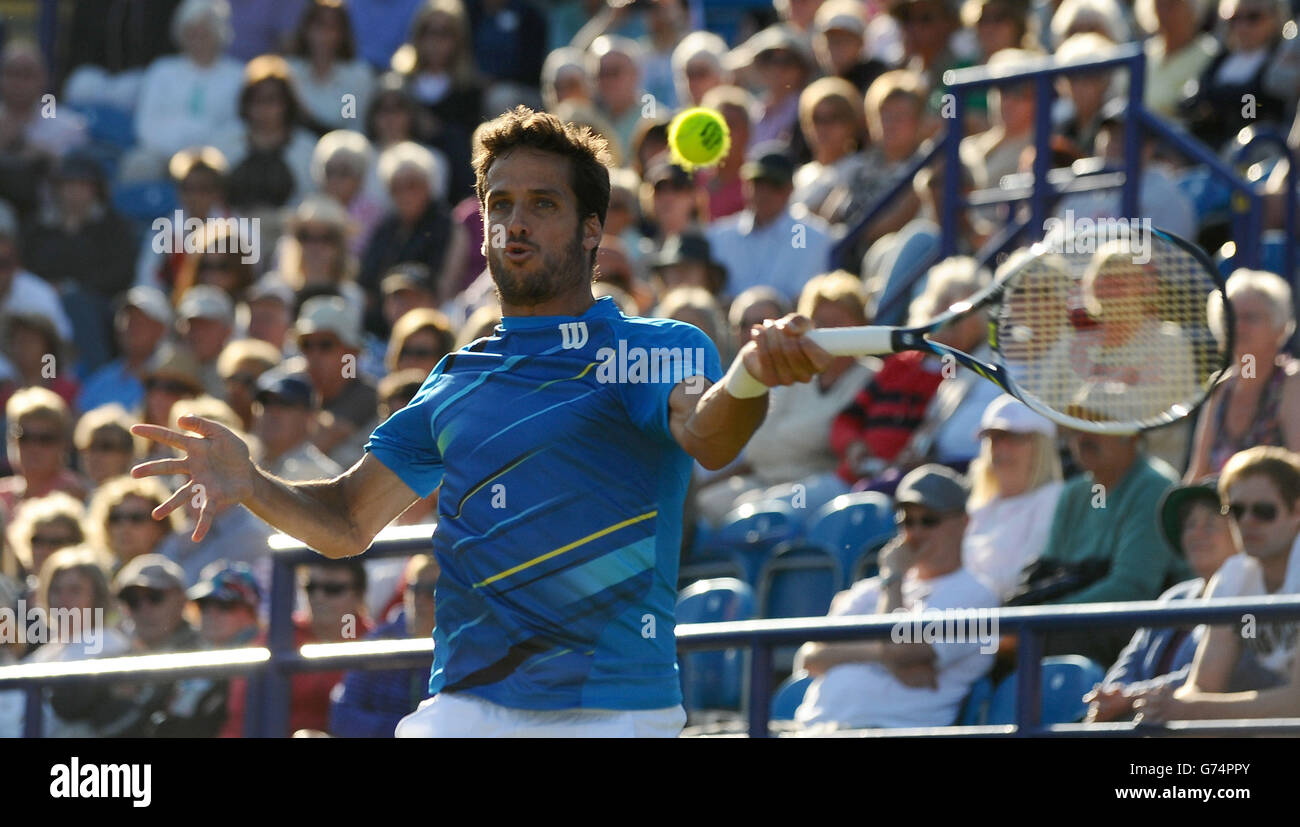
[{"x": 1098, "y": 334}]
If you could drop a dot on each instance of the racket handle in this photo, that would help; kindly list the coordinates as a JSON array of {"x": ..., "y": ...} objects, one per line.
[{"x": 854, "y": 341}]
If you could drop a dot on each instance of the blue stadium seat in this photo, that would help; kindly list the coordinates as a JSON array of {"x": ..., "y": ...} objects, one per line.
[
  {"x": 851, "y": 522},
  {"x": 788, "y": 696},
  {"x": 975, "y": 707},
  {"x": 711, "y": 562},
  {"x": 798, "y": 580},
  {"x": 1066, "y": 679},
  {"x": 146, "y": 200},
  {"x": 108, "y": 124},
  {"x": 754, "y": 529},
  {"x": 714, "y": 679}
]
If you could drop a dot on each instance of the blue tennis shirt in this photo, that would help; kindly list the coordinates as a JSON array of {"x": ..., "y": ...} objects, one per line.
[{"x": 560, "y": 514}]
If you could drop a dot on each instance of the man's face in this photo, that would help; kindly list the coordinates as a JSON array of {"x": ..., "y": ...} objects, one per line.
[
  {"x": 419, "y": 601},
  {"x": 206, "y": 337},
  {"x": 221, "y": 620},
  {"x": 155, "y": 612},
  {"x": 701, "y": 76},
  {"x": 70, "y": 589},
  {"x": 766, "y": 198},
  {"x": 1098, "y": 452},
  {"x": 1207, "y": 539},
  {"x": 331, "y": 593},
  {"x": 138, "y": 332},
  {"x": 1266, "y": 522},
  {"x": 841, "y": 48},
  {"x": 398, "y": 302},
  {"x": 280, "y": 425},
  {"x": 931, "y": 533},
  {"x": 617, "y": 82},
  {"x": 324, "y": 353},
  {"x": 37, "y": 445},
  {"x": 21, "y": 78},
  {"x": 531, "y": 207}
]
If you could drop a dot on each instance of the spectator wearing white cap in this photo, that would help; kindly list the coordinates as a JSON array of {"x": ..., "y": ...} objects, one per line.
[
  {"x": 329, "y": 336},
  {"x": 1016, "y": 481},
  {"x": 205, "y": 320},
  {"x": 839, "y": 41},
  {"x": 697, "y": 67}
]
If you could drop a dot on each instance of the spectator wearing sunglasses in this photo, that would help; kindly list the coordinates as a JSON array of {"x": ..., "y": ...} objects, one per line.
[
  {"x": 120, "y": 518},
  {"x": 38, "y": 446},
  {"x": 369, "y": 703},
  {"x": 1236, "y": 675},
  {"x": 882, "y": 683},
  {"x": 241, "y": 363},
  {"x": 105, "y": 446},
  {"x": 336, "y": 611},
  {"x": 283, "y": 411},
  {"x": 76, "y": 580},
  {"x": 419, "y": 340},
  {"x": 151, "y": 592},
  {"x": 172, "y": 374},
  {"x": 1195, "y": 523},
  {"x": 329, "y": 337},
  {"x": 227, "y": 597},
  {"x": 43, "y": 526}
]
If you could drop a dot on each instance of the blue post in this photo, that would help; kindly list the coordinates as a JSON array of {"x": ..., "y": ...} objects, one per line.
[
  {"x": 34, "y": 713},
  {"x": 276, "y": 684},
  {"x": 1038, "y": 198},
  {"x": 1029, "y": 697},
  {"x": 760, "y": 687},
  {"x": 1133, "y": 138},
  {"x": 952, "y": 198}
]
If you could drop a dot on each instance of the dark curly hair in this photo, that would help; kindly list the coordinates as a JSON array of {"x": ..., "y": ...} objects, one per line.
[{"x": 588, "y": 153}]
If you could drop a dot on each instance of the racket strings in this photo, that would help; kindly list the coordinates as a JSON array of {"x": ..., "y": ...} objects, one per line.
[{"x": 1119, "y": 335}]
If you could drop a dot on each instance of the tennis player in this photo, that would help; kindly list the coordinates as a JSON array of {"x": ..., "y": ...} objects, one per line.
[{"x": 563, "y": 445}]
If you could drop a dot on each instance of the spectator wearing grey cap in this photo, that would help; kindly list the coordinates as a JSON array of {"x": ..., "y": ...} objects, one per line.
[
  {"x": 141, "y": 323},
  {"x": 283, "y": 410},
  {"x": 151, "y": 590},
  {"x": 883, "y": 683}
]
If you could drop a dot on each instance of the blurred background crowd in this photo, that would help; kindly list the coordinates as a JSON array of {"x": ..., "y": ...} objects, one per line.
[{"x": 264, "y": 213}]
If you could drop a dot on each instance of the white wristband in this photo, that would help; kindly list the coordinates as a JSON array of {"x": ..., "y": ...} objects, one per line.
[{"x": 741, "y": 384}]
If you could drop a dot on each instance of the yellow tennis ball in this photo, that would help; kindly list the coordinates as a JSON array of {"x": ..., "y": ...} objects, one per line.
[{"x": 698, "y": 137}]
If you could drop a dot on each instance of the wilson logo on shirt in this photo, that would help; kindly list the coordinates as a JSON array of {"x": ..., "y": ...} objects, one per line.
[{"x": 573, "y": 335}]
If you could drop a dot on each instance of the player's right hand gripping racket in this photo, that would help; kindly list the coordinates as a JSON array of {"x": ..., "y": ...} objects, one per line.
[{"x": 1104, "y": 337}]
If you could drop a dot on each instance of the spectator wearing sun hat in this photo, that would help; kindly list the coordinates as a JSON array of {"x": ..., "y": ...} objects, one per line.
[{"x": 1016, "y": 482}]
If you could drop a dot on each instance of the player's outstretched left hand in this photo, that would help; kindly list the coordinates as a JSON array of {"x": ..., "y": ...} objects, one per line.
[{"x": 778, "y": 353}]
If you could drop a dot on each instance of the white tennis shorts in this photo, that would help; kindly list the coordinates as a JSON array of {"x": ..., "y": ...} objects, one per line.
[{"x": 460, "y": 715}]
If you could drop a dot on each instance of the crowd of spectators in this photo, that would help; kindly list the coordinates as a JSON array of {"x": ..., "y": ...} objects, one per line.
[{"x": 284, "y": 236}]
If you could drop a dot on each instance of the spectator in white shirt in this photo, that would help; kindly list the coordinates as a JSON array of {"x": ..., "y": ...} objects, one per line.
[
  {"x": 770, "y": 242},
  {"x": 909, "y": 683},
  {"x": 1016, "y": 481},
  {"x": 1235, "y": 675},
  {"x": 335, "y": 85},
  {"x": 185, "y": 98}
]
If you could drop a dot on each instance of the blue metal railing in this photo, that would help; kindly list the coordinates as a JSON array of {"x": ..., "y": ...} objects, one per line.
[
  {"x": 269, "y": 668},
  {"x": 1247, "y": 203},
  {"x": 1031, "y": 623}
]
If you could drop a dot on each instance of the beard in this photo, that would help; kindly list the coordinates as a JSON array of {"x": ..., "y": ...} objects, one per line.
[{"x": 533, "y": 283}]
